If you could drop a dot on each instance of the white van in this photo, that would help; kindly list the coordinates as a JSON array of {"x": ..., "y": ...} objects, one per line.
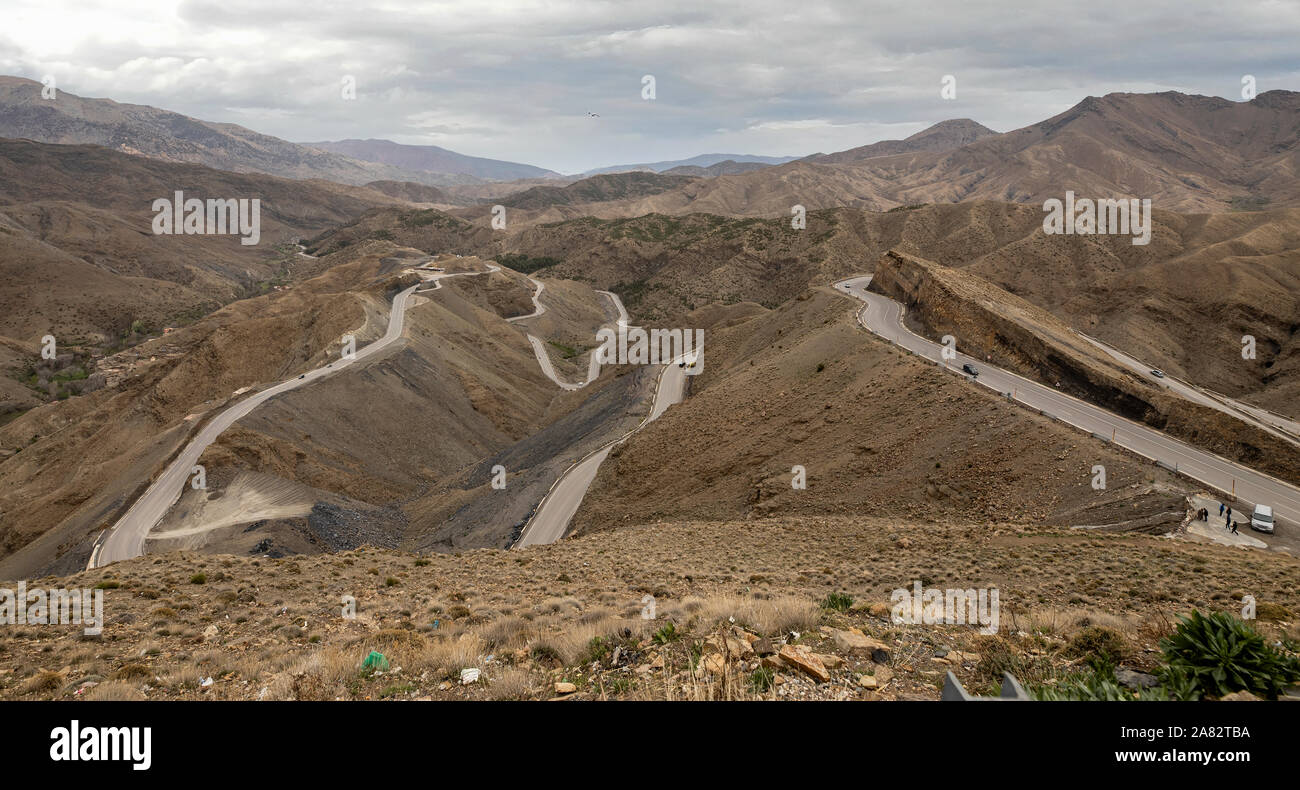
[{"x": 1262, "y": 518}]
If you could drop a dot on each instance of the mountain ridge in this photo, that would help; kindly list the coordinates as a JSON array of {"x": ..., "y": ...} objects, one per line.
[
  {"x": 430, "y": 158},
  {"x": 156, "y": 133}
]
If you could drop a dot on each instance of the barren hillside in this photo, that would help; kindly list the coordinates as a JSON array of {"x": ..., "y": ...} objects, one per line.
[
  {"x": 877, "y": 432},
  {"x": 1181, "y": 303},
  {"x": 1185, "y": 153},
  {"x": 730, "y": 601},
  {"x": 75, "y": 463}
]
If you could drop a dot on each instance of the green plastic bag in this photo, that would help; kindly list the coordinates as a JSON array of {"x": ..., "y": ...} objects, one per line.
[{"x": 375, "y": 660}]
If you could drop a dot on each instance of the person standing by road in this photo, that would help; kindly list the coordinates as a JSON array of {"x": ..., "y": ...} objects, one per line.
[{"x": 1221, "y": 506}]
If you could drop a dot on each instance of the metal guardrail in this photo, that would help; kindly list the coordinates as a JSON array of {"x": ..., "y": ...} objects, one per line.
[{"x": 1012, "y": 691}]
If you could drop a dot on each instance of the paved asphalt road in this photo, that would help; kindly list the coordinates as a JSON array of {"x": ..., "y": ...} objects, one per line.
[
  {"x": 556, "y": 509},
  {"x": 882, "y": 316},
  {"x": 126, "y": 538},
  {"x": 539, "y": 348},
  {"x": 1283, "y": 428}
]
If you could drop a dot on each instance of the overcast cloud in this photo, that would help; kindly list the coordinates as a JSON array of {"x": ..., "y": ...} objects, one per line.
[{"x": 516, "y": 80}]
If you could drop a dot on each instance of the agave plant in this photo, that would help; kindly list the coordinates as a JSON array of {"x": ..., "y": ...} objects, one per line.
[
  {"x": 1096, "y": 686},
  {"x": 1219, "y": 654}
]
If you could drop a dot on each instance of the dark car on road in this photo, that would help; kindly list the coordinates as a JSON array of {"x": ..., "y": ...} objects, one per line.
[{"x": 969, "y": 369}]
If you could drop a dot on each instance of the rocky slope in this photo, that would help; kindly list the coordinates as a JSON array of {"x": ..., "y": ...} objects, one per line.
[
  {"x": 1016, "y": 335},
  {"x": 667, "y": 611},
  {"x": 1182, "y": 303},
  {"x": 875, "y": 431},
  {"x": 73, "y": 464},
  {"x": 943, "y": 136}
]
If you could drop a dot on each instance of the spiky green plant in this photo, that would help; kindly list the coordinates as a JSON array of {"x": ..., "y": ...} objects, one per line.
[
  {"x": 838, "y": 602},
  {"x": 1219, "y": 654}
]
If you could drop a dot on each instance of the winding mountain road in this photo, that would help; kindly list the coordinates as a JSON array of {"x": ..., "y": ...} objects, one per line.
[
  {"x": 539, "y": 348},
  {"x": 127, "y": 537},
  {"x": 551, "y": 518},
  {"x": 883, "y": 317},
  {"x": 555, "y": 511}
]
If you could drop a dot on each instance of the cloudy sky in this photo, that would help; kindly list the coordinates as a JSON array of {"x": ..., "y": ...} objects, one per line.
[{"x": 517, "y": 80}]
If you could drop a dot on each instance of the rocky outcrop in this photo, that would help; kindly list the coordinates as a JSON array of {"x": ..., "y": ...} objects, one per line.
[{"x": 1011, "y": 333}]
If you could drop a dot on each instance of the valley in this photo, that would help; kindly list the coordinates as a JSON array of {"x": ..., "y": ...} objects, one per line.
[{"x": 381, "y": 380}]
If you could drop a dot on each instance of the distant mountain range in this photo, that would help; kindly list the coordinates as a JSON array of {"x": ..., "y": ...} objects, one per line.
[
  {"x": 431, "y": 159},
  {"x": 169, "y": 136},
  {"x": 729, "y": 167},
  {"x": 701, "y": 161},
  {"x": 1185, "y": 152}
]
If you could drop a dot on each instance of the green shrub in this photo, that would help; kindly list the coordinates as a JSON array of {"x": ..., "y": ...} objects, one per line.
[
  {"x": 597, "y": 649},
  {"x": 526, "y": 264},
  {"x": 666, "y": 633},
  {"x": 1219, "y": 654},
  {"x": 199, "y": 578},
  {"x": 1103, "y": 647},
  {"x": 838, "y": 602},
  {"x": 1096, "y": 686},
  {"x": 761, "y": 679},
  {"x": 397, "y": 689},
  {"x": 1267, "y": 610}
]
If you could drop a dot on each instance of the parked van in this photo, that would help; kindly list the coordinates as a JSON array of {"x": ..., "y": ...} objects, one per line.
[{"x": 1262, "y": 519}]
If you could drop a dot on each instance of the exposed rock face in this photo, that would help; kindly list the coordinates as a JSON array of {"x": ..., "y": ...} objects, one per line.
[{"x": 990, "y": 322}]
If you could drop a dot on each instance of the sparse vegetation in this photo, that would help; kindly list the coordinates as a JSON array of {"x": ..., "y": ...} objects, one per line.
[
  {"x": 1100, "y": 645},
  {"x": 666, "y": 633},
  {"x": 487, "y": 611},
  {"x": 527, "y": 264},
  {"x": 838, "y": 602}
]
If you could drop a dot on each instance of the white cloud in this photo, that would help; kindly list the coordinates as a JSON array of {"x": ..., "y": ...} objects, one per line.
[{"x": 515, "y": 80}]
